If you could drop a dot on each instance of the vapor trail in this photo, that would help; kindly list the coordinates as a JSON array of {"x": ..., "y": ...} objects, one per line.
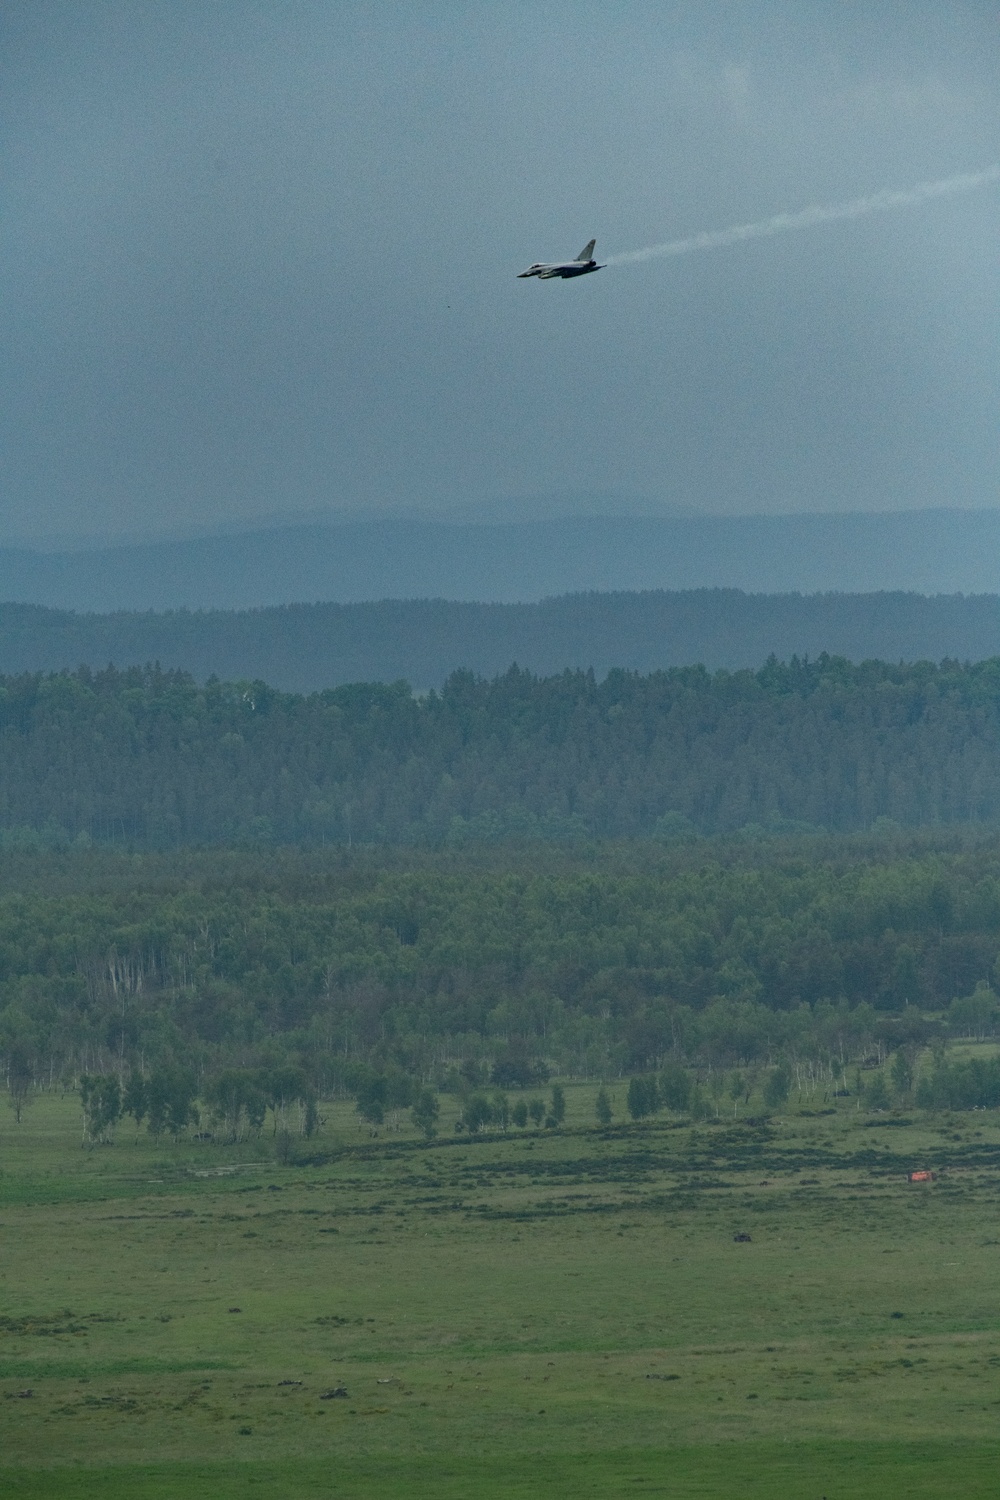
[{"x": 806, "y": 218}]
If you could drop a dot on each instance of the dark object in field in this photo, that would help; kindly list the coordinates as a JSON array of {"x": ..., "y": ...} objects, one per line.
[
  {"x": 234, "y": 1309},
  {"x": 742, "y": 1238},
  {"x": 764, "y": 1182},
  {"x": 897, "y": 1315},
  {"x": 663, "y": 1377},
  {"x": 289, "y": 1382},
  {"x": 23, "y": 1395},
  {"x": 921, "y": 1176},
  {"x": 339, "y": 1393}
]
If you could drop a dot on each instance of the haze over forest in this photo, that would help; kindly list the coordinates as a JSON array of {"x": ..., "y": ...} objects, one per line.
[
  {"x": 311, "y": 647},
  {"x": 930, "y": 551}
]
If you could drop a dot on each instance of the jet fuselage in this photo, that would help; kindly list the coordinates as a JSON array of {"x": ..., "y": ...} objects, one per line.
[
  {"x": 565, "y": 268},
  {"x": 569, "y": 268}
]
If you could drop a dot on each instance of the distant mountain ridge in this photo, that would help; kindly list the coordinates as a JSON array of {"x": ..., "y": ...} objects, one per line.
[
  {"x": 307, "y": 647},
  {"x": 934, "y": 551}
]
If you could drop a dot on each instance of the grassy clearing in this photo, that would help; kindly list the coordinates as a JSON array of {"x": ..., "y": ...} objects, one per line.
[
  {"x": 760, "y": 1471},
  {"x": 566, "y": 1311}
]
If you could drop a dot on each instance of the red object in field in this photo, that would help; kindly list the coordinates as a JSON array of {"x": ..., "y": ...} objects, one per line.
[{"x": 922, "y": 1177}]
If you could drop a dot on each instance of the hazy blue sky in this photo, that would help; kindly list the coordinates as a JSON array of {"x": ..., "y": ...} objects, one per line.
[{"x": 261, "y": 257}]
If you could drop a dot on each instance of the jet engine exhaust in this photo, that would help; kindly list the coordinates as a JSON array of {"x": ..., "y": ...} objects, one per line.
[{"x": 807, "y": 218}]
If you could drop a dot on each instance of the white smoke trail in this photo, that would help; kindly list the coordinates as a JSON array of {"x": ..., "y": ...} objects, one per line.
[{"x": 806, "y": 218}]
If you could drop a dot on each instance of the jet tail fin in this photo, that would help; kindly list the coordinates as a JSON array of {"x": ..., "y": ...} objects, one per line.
[{"x": 587, "y": 253}]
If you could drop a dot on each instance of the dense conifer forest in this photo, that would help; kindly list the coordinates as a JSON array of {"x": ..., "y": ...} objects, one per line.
[{"x": 150, "y": 759}]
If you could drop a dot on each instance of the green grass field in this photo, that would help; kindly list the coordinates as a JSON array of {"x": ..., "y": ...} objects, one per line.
[{"x": 547, "y": 1313}]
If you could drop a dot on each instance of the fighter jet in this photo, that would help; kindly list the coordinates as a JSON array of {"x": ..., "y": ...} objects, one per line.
[{"x": 584, "y": 262}]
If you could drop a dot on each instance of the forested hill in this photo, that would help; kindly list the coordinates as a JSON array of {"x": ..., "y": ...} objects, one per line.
[
  {"x": 397, "y": 557},
  {"x": 306, "y": 647},
  {"x": 150, "y": 758}
]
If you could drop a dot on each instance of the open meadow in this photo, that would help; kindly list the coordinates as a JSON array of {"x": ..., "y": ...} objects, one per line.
[{"x": 558, "y": 1312}]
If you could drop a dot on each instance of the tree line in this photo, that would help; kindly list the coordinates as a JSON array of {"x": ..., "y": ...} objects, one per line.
[
  {"x": 285, "y": 976},
  {"x": 310, "y": 647},
  {"x": 235, "y": 1102},
  {"x": 150, "y": 759}
]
